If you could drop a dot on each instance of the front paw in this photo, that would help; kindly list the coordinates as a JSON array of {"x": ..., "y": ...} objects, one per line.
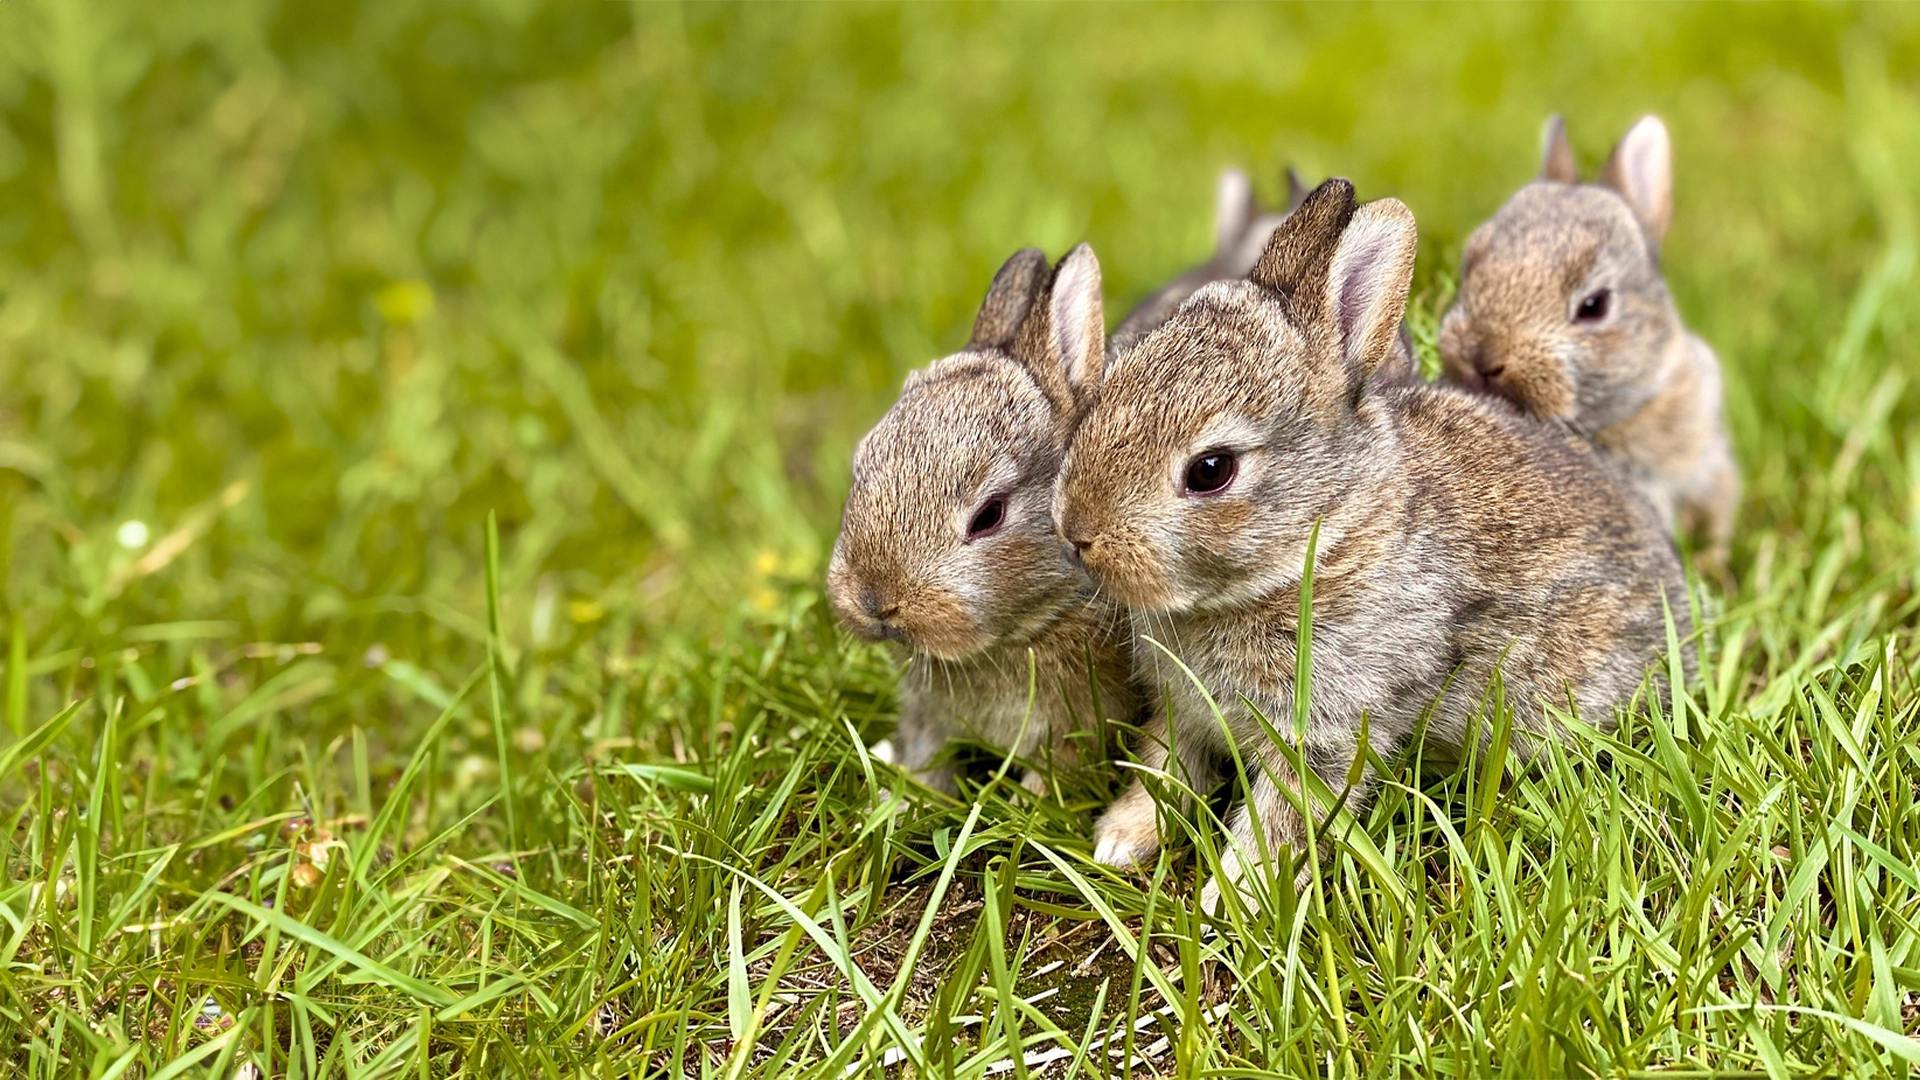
[
  {"x": 1248, "y": 882},
  {"x": 1231, "y": 876},
  {"x": 1210, "y": 897},
  {"x": 1128, "y": 834}
]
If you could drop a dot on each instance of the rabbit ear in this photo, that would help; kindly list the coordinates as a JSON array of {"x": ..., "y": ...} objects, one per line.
[
  {"x": 1641, "y": 168},
  {"x": 1297, "y": 190},
  {"x": 1556, "y": 153},
  {"x": 1234, "y": 210},
  {"x": 1297, "y": 255},
  {"x": 1368, "y": 280},
  {"x": 1009, "y": 299},
  {"x": 1077, "y": 322}
]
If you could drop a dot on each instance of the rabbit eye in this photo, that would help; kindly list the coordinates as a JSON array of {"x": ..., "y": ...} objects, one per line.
[
  {"x": 1593, "y": 307},
  {"x": 988, "y": 518},
  {"x": 1210, "y": 473}
]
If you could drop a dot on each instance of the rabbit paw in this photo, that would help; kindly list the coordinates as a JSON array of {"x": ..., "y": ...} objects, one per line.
[
  {"x": 1248, "y": 883},
  {"x": 1127, "y": 834}
]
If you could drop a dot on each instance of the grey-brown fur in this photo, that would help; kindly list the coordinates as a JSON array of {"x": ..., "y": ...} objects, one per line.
[
  {"x": 990, "y": 421},
  {"x": 1635, "y": 381},
  {"x": 1456, "y": 534}
]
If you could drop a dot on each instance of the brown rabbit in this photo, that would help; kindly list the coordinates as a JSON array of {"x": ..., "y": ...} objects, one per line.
[
  {"x": 1562, "y": 308},
  {"x": 947, "y": 546},
  {"x": 1457, "y": 536}
]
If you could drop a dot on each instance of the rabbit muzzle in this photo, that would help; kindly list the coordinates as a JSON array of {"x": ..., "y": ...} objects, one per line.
[{"x": 1121, "y": 566}]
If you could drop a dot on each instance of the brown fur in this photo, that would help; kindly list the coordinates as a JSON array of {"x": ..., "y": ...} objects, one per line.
[
  {"x": 1457, "y": 536},
  {"x": 1636, "y": 382},
  {"x": 990, "y": 421}
]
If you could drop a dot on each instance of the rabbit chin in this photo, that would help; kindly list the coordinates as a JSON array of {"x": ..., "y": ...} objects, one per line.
[{"x": 948, "y": 644}]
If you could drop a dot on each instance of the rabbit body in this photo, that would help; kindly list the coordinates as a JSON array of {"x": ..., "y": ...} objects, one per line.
[
  {"x": 1563, "y": 309},
  {"x": 1676, "y": 449},
  {"x": 946, "y": 549},
  {"x": 1456, "y": 536}
]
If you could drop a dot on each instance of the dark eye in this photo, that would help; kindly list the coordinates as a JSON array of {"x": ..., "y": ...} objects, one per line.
[
  {"x": 1593, "y": 307},
  {"x": 1210, "y": 473},
  {"x": 988, "y": 518}
]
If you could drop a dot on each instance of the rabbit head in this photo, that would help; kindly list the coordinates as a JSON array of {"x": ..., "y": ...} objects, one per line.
[
  {"x": 946, "y": 544},
  {"x": 1562, "y": 307},
  {"x": 1213, "y": 445}
]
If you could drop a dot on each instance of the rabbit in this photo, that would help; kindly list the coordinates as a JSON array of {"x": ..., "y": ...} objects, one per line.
[
  {"x": 1456, "y": 536},
  {"x": 946, "y": 546},
  {"x": 1562, "y": 309},
  {"x": 1241, "y": 230}
]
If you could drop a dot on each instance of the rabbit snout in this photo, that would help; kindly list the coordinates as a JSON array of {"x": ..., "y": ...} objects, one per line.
[
  {"x": 1518, "y": 366},
  {"x": 1077, "y": 548},
  {"x": 891, "y": 606},
  {"x": 866, "y": 610},
  {"x": 880, "y": 611},
  {"x": 1118, "y": 560},
  {"x": 1079, "y": 539}
]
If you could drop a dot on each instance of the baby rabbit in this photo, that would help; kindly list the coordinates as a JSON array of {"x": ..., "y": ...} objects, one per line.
[
  {"x": 947, "y": 546},
  {"x": 1457, "y": 536},
  {"x": 1562, "y": 308}
]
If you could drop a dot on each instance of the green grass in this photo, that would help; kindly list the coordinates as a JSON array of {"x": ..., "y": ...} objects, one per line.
[{"x": 306, "y": 772}]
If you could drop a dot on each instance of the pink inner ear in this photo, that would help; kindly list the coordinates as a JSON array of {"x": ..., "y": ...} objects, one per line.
[
  {"x": 1358, "y": 281},
  {"x": 1078, "y": 333},
  {"x": 1070, "y": 337}
]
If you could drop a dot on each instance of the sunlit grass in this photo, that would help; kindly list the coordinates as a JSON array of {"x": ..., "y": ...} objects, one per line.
[{"x": 309, "y": 769}]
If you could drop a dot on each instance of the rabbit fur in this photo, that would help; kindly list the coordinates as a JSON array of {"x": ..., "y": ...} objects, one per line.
[
  {"x": 1457, "y": 536},
  {"x": 1563, "y": 309},
  {"x": 986, "y": 424}
]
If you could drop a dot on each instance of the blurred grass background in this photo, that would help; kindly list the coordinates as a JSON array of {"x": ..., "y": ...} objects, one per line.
[
  {"x": 292, "y": 296},
  {"x": 635, "y": 277}
]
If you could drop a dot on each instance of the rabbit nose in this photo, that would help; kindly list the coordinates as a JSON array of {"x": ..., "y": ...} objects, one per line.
[
  {"x": 1485, "y": 362},
  {"x": 877, "y": 608},
  {"x": 1079, "y": 546}
]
